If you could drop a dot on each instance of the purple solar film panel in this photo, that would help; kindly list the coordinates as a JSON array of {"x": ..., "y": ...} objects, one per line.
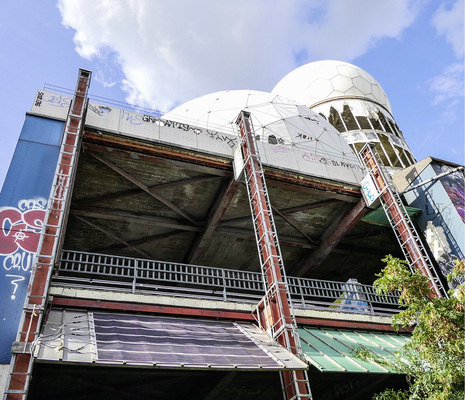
[{"x": 176, "y": 342}]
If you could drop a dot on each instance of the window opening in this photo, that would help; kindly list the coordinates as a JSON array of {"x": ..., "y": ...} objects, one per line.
[
  {"x": 336, "y": 120},
  {"x": 382, "y": 154},
  {"x": 349, "y": 119},
  {"x": 376, "y": 125},
  {"x": 272, "y": 139},
  {"x": 389, "y": 151},
  {"x": 364, "y": 123},
  {"x": 403, "y": 158},
  {"x": 383, "y": 121}
]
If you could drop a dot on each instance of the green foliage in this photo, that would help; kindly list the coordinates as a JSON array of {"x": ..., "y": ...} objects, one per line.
[
  {"x": 391, "y": 394},
  {"x": 434, "y": 359}
]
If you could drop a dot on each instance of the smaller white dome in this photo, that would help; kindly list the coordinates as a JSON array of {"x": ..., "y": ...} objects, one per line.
[
  {"x": 321, "y": 81},
  {"x": 291, "y": 136},
  {"x": 275, "y": 119},
  {"x": 218, "y": 111}
]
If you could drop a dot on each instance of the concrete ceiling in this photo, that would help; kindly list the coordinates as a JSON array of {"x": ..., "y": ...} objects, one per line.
[{"x": 142, "y": 200}]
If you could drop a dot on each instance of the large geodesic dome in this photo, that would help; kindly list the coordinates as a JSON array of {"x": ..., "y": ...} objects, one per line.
[
  {"x": 325, "y": 80},
  {"x": 276, "y": 120},
  {"x": 353, "y": 102}
]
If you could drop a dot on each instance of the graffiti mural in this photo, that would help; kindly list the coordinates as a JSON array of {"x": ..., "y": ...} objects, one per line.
[
  {"x": 19, "y": 237},
  {"x": 454, "y": 185},
  {"x": 23, "y": 201}
]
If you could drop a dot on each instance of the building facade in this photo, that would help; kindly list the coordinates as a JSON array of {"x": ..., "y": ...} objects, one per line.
[{"x": 153, "y": 271}]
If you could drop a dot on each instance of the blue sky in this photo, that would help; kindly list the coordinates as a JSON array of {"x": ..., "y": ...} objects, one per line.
[{"x": 160, "y": 54}]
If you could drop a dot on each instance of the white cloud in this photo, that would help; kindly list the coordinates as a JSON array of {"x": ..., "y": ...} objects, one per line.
[
  {"x": 450, "y": 23},
  {"x": 171, "y": 52},
  {"x": 100, "y": 77},
  {"x": 449, "y": 85}
]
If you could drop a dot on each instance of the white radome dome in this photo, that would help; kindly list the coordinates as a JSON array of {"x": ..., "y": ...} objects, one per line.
[
  {"x": 276, "y": 120},
  {"x": 321, "y": 81}
]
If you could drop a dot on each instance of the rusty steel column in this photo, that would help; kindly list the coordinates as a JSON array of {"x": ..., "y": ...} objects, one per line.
[
  {"x": 400, "y": 221},
  {"x": 36, "y": 297},
  {"x": 274, "y": 312}
]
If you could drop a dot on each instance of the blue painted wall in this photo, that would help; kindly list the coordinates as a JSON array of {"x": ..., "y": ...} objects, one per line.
[{"x": 23, "y": 202}]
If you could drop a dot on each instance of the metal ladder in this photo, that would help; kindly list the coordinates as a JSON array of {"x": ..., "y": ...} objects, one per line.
[
  {"x": 400, "y": 221},
  {"x": 35, "y": 303},
  {"x": 274, "y": 313}
]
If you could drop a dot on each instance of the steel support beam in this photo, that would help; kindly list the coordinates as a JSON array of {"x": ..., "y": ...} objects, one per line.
[
  {"x": 161, "y": 155},
  {"x": 124, "y": 216},
  {"x": 145, "y": 239},
  {"x": 146, "y": 189},
  {"x": 221, "y": 203},
  {"x": 293, "y": 224},
  {"x": 286, "y": 211},
  {"x": 126, "y": 244},
  {"x": 35, "y": 302},
  {"x": 333, "y": 235},
  {"x": 135, "y": 192}
]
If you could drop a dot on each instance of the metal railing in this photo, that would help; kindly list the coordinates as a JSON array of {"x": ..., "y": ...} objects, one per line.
[{"x": 134, "y": 275}]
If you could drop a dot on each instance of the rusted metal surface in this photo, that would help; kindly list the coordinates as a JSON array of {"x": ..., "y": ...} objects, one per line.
[
  {"x": 274, "y": 311},
  {"x": 50, "y": 240},
  {"x": 152, "y": 309},
  {"x": 209, "y": 313}
]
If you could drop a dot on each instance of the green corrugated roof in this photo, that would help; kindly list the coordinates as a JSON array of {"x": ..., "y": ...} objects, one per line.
[
  {"x": 378, "y": 216},
  {"x": 330, "y": 350}
]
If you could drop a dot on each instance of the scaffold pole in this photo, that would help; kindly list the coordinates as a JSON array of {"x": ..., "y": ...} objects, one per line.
[
  {"x": 274, "y": 312},
  {"x": 36, "y": 297}
]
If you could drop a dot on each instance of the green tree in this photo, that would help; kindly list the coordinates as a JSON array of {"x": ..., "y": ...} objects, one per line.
[{"x": 434, "y": 359}]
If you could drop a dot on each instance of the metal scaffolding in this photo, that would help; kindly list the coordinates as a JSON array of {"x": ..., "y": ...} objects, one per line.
[
  {"x": 50, "y": 241},
  {"x": 274, "y": 312},
  {"x": 399, "y": 219}
]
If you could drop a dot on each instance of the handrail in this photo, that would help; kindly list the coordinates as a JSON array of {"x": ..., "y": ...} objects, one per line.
[{"x": 135, "y": 275}]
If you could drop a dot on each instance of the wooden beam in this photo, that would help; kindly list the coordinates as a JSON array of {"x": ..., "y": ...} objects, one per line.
[
  {"x": 221, "y": 203},
  {"x": 145, "y": 189},
  {"x": 333, "y": 235}
]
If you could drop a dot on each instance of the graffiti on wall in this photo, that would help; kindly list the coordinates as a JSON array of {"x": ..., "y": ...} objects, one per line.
[
  {"x": 19, "y": 237},
  {"x": 212, "y": 135},
  {"x": 454, "y": 185},
  {"x": 437, "y": 239},
  {"x": 55, "y": 100}
]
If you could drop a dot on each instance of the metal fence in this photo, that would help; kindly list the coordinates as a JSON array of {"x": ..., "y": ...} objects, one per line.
[{"x": 136, "y": 275}]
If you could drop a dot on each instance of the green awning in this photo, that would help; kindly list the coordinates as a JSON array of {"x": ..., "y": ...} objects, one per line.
[
  {"x": 330, "y": 350},
  {"x": 378, "y": 216}
]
